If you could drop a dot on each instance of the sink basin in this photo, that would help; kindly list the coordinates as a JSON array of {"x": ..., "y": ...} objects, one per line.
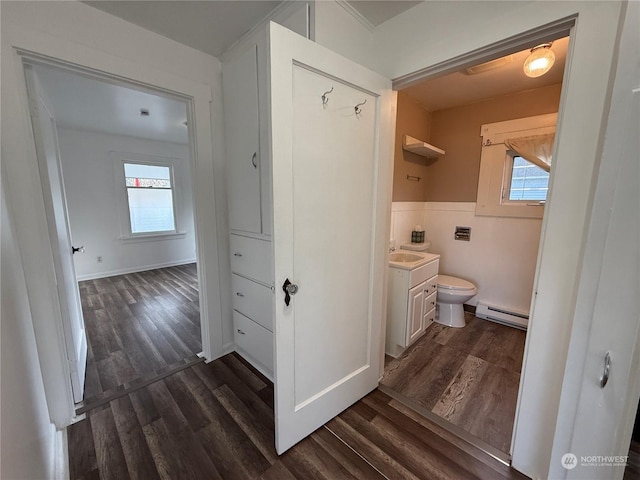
[
  {"x": 402, "y": 257},
  {"x": 410, "y": 260}
]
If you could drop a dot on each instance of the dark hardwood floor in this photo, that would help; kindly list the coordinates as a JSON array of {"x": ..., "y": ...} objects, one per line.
[
  {"x": 632, "y": 470},
  {"x": 468, "y": 376},
  {"x": 216, "y": 420},
  {"x": 139, "y": 326}
]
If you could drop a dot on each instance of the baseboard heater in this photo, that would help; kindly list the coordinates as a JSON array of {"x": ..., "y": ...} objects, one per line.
[{"x": 502, "y": 315}]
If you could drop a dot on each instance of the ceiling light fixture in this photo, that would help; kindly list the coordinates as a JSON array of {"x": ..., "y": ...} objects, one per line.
[{"x": 539, "y": 61}]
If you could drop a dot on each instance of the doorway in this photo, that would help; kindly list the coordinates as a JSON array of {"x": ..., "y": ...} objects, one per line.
[
  {"x": 467, "y": 379},
  {"x": 126, "y": 208}
]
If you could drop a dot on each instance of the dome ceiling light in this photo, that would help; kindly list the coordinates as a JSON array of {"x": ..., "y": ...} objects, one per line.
[{"x": 539, "y": 61}]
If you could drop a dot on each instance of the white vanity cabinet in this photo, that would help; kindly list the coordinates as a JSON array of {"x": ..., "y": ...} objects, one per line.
[{"x": 411, "y": 304}]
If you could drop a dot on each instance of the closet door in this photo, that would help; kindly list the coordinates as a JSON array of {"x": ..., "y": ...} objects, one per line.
[
  {"x": 240, "y": 84},
  {"x": 332, "y": 171}
]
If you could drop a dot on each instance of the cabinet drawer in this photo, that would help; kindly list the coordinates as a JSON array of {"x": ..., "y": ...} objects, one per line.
[
  {"x": 420, "y": 274},
  {"x": 429, "y": 318},
  {"x": 252, "y": 258},
  {"x": 255, "y": 341},
  {"x": 429, "y": 301},
  {"x": 253, "y": 300},
  {"x": 431, "y": 286}
]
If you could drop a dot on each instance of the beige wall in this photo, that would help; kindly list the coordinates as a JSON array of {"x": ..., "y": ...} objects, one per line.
[
  {"x": 454, "y": 177},
  {"x": 412, "y": 120}
]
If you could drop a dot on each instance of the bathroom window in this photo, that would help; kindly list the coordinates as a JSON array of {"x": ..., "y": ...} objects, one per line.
[
  {"x": 149, "y": 198},
  {"x": 510, "y": 185},
  {"x": 527, "y": 182}
]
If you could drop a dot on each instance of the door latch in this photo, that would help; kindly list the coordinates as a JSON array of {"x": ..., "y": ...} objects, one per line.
[
  {"x": 607, "y": 369},
  {"x": 289, "y": 289}
]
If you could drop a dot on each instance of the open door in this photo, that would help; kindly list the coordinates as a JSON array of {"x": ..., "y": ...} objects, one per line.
[
  {"x": 331, "y": 132},
  {"x": 45, "y": 133}
]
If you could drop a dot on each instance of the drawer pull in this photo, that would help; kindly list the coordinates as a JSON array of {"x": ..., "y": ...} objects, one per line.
[
  {"x": 241, "y": 332},
  {"x": 240, "y": 294},
  {"x": 237, "y": 254},
  {"x": 434, "y": 286}
]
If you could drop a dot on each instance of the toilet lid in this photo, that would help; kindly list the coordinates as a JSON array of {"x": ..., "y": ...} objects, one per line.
[{"x": 454, "y": 283}]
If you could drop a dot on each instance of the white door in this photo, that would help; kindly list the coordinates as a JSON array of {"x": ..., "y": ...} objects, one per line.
[
  {"x": 604, "y": 413},
  {"x": 332, "y": 171},
  {"x": 46, "y": 137}
]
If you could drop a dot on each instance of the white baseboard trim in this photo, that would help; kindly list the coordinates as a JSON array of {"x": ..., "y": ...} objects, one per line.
[
  {"x": 61, "y": 455},
  {"x": 124, "y": 271}
]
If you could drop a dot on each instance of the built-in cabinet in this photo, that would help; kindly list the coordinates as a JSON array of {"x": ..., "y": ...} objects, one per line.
[
  {"x": 248, "y": 187},
  {"x": 411, "y": 304}
]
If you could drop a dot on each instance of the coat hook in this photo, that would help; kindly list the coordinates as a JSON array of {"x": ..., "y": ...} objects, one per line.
[
  {"x": 357, "y": 107},
  {"x": 325, "y": 99}
]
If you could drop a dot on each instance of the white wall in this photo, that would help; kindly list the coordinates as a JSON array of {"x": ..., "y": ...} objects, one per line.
[
  {"x": 95, "y": 209},
  {"x": 81, "y": 35},
  {"x": 28, "y": 437},
  {"x": 500, "y": 259},
  {"x": 337, "y": 27}
]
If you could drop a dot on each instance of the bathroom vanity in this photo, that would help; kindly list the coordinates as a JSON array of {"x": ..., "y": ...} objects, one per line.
[{"x": 411, "y": 303}]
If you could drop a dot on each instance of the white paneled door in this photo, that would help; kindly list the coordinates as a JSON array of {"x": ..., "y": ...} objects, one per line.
[
  {"x": 332, "y": 168},
  {"x": 46, "y": 136}
]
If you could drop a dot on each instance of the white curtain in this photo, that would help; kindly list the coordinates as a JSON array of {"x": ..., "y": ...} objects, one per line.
[{"x": 535, "y": 149}]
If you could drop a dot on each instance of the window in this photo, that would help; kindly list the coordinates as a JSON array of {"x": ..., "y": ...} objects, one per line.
[
  {"x": 515, "y": 162},
  {"x": 150, "y": 198},
  {"x": 527, "y": 181}
]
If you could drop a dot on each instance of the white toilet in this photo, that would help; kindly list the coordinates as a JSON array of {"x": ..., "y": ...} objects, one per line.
[{"x": 452, "y": 293}]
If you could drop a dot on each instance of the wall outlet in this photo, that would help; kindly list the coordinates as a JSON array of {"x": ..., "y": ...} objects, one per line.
[{"x": 99, "y": 259}]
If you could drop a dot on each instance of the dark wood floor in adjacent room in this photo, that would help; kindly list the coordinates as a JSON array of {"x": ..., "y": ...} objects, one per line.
[
  {"x": 139, "y": 326},
  {"x": 468, "y": 376},
  {"x": 213, "y": 421}
]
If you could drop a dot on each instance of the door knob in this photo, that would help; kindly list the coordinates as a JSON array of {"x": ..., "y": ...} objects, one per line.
[
  {"x": 75, "y": 250},
  {"x": 289, "y": 290}
]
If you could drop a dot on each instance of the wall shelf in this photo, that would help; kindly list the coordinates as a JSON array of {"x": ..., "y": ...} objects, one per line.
[{"x": 419, "y": 147}]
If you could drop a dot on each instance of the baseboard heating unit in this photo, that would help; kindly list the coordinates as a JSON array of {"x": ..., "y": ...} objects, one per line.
[{"x": 502, "y": 315}]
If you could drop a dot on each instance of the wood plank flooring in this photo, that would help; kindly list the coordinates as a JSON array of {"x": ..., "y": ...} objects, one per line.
[
  {"x": 139, "y": 326},
  {"x": 468, "y": 376},
  {"x": 215, "y": 421}
]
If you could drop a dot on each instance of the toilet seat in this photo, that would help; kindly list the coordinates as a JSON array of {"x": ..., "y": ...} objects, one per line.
[{"x": 454, "y": 283}]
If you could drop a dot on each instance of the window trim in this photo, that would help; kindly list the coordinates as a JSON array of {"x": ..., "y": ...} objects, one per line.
[
  {"x": 496, "y": 162},
  {"x": 124, "y": 214}
]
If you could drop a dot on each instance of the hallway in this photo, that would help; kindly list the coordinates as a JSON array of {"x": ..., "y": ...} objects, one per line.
[{"x": 215, "y": 421}]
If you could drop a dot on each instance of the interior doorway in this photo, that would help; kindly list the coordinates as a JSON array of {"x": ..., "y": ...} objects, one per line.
[
  {"x": 122, "y": 160},
  {"x": 467, "y": 379}
]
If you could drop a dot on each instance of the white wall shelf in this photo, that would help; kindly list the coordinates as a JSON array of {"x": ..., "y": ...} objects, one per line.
[{"x": 419, "y": 147}]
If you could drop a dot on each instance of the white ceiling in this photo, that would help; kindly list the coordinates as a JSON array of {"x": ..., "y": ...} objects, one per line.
[
  {"x": 90, "y": 104},
  {"x": 208, "y": 26},
  {"x": 212, "y": 26},
  {"x": 377, "y": 12},
  {"x": 459, "y": 88}
]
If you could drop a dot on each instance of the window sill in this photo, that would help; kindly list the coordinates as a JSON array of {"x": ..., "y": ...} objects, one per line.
[{"x": 151, "y": 237}]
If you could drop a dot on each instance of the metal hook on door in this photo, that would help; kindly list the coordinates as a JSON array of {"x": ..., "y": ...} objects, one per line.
[
  {"x": 325, "y": 99},
  {"x": 357, "y": 107}
]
